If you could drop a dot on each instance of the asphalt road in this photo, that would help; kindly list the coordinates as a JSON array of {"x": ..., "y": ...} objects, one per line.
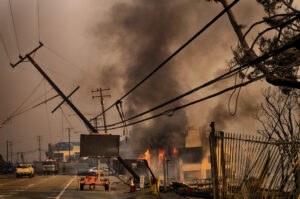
[
  {"x": 58, "y": 187},
  {"x": 67, "y": 187}
]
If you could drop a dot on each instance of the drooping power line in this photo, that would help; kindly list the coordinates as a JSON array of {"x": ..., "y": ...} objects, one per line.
[
  {"x": 170, "y": 112},
  {"x": 22, "y": 104},
  {"x": 221, "y": 77},
  {"x": 171, "y": 56}
]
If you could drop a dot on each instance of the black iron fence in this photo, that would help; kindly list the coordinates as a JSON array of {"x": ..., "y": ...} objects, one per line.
[{"x": 248, "y": 166}]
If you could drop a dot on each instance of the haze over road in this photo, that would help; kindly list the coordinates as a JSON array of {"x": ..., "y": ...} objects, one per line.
[{"x": 56, "y": 186}]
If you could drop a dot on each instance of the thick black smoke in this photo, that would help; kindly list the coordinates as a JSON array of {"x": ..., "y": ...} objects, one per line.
[
  {"x": 141, "y": 35},
  {"x": 146, "y": 30}
]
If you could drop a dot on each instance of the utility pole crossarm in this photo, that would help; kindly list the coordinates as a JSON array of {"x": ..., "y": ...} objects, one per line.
[
  {"x": 64, "y": 100},
  {"x": 23, "y": 58}
]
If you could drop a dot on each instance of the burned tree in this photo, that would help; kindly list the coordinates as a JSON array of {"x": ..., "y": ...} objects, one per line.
[
  {"x": 279, "y": 117},
  {"x": 280, "y": 26}
]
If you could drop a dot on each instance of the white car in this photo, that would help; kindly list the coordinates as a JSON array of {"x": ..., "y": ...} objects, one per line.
[{"x": 95, "y": 170}]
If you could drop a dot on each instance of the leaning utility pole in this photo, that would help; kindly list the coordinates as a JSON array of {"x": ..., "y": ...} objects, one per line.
[
  {"x": 65, "y": 98},
  {"x": 39, "y": 140},
  {"x": 102, "y": 103}
]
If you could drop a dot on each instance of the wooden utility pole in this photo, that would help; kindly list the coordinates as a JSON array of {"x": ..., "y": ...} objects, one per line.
[
  {"x": 69, "y": 131},
  {"x": 11, "y": 151},
  {"x": 7, "y": 150},
  {"x": 22, "y": 157},
  {"x": 40, "y": 154},
  {"x": 101, "y": 96}
]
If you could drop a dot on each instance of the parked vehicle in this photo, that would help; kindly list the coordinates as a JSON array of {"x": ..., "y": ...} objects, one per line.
[
  {"x": 25, "y": 170},
  {"x": 50, "y": 167},
  {"x": 95, "y": 170},
  {"x": 8, "y": 167}
]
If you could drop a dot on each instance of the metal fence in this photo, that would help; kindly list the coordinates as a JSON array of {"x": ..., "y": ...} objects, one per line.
[{"x": 246, "y": 166}]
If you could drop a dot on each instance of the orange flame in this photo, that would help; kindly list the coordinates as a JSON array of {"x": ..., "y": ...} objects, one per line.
[
  {"x": 146, "y": 156},
  {"x": 161, "y": 155},
  {"x": 175, "y": 152}
]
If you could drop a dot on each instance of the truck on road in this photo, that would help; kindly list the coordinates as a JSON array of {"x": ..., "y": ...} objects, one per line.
[
  {"x": 50, "y": 167},
  {"x": 25, "y": 170}
]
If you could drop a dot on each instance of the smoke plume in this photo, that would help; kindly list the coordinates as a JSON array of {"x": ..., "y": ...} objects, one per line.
[
  {"x": 146, "y": 30},
  {"x": 141, "y": 35}
]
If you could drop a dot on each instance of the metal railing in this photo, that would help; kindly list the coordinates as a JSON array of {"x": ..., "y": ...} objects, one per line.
[{"x": 247, "y": 166}]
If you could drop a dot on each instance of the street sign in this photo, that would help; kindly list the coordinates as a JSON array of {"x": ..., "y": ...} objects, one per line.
[{"x": 99, "y": 145}]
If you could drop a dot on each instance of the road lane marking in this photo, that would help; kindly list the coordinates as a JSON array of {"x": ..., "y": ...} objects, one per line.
[
  {"x": 1, "y": 196},
  {"x": 14, "y": 192},
  {"x": 30, "y": 185},
  {"x": 44, "y": 180},
  {"x": 64, "y": 189}
]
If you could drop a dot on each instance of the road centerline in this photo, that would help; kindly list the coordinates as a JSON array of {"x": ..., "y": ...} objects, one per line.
[{"x": 64, "y": 189}]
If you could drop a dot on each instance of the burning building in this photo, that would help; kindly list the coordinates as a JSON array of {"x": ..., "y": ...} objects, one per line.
[{"x": 185, "y": 163}]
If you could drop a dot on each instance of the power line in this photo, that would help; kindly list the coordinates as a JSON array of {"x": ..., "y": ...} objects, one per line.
[
  {"x": 38, "y": 18},
  {"x": 20, "y": 106},
  {"x": 5, "y": 49},
  {"x": 221, "y": 77},
  {"x": 13, "y": 22},
  {"x": 47, "y": 115},
  {"x": 28, "y": 109},
  {"x": 39, "y": 97},
  {"x": 237, "y": 95},
  {"x": 172, "y": 55},
  {"x": 224, "y": 76},
  {"x": 170, "y": 112},
  {"x": 59, "y": 55},
  {"x": 64, "y": 115}
]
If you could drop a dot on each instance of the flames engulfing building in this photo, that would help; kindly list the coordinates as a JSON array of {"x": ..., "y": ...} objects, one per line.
[{"x": 184, "y": 163}]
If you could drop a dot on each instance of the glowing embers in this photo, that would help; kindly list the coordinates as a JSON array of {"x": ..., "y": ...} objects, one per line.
[{"x": 175, "y": 152}]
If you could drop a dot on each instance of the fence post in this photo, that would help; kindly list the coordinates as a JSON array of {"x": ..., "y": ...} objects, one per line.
[
  {"x": 223, "y": 165},
  {"x": 213, "y": 158}
]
